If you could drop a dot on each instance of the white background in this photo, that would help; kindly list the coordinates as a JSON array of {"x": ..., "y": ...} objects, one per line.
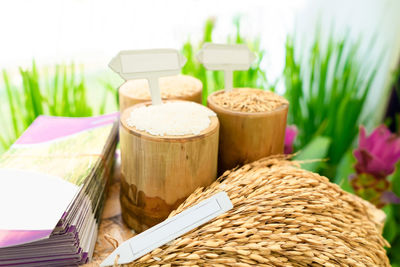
[{"x": 93, "y": 31}]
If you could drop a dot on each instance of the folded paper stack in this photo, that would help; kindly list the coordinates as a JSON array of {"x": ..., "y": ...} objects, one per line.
[{"x": 52, "y": 189}]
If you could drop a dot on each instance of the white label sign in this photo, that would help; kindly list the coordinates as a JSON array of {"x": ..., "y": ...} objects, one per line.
[
  {"x": 221, "y": 57},
  {"x": 139, "y": 64},
  {"x": 148, "y": 64},
  {"x": 170, "y": 229},
  {"x": 227, "y": 58}
]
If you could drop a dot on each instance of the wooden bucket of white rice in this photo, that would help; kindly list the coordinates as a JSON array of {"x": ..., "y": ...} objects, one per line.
[{"x": 167, "y": 151}]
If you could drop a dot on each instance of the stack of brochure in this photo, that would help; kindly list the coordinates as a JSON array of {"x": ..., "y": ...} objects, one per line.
[{"x": 52, "y": 189}]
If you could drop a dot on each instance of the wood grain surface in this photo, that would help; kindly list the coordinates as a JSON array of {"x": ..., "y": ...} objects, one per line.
[{"x": 245, "y": 137}]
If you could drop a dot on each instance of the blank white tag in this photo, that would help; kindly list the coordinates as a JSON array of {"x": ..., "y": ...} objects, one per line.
[
  {"x": 226, "y": 57},
  {"x": 148, "y": 64},
  {"x": 141, "y": 64},
  {"x": 170, "y": 229}
]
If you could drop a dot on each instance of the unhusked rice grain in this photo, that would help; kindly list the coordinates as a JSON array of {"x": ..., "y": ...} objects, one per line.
[{"x": 249, "y": 100}]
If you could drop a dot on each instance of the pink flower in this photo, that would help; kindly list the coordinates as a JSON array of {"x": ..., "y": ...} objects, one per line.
[
  {"x": 390, "y": 197},
  {"x": 378, "y": 153},
  {"x": 376, "y": 156},
  {"x": 290, "y": 136}
]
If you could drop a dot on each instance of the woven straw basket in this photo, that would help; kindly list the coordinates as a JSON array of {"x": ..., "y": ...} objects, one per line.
[{"x": 282, "y": 216}]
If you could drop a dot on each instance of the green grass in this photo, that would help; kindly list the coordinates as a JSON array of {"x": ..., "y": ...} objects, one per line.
[
  {"x": 63, "y": 91},
  {"x": 60, "y": 91},
  {"x": 212, "y": 81},
  {"x": 327, "y": 92}
]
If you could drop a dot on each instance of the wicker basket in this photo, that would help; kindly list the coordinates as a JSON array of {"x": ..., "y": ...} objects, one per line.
[{"x": 282, "y": 216}]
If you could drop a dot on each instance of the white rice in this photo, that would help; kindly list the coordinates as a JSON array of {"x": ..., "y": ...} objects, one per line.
[{"x": 171, "y": 118}]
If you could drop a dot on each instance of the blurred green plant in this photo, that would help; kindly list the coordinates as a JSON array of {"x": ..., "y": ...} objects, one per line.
[
  {"x": 391, "y": 231},
  {"x": 212, "y": 81},
  {"x": 327, "y": 87},
  {"x": 313, "y": 152},
  {"x": 62, "y": 92},
  {"x": 392, "y": 118}
]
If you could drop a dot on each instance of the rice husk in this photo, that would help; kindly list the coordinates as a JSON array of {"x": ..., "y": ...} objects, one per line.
[
  {"x": 282, "y": 216},
  {"x": 249, "y": 100}
]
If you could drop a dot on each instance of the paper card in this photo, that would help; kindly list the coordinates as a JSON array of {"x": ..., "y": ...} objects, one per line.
[
  {"x": 41, "y": 174},
  {"x": 170, "y": 229},
  {"x": 148, "y": 64},
  {"x": 226, "y": 57},
  {"x": 140, "y": 64},
  {"x": 31, "y": 204}
]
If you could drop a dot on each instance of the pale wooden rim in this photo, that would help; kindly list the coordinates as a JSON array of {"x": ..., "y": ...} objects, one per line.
[{"x": 220, "y": 109}]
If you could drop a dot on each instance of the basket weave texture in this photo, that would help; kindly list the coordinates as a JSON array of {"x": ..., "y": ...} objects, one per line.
[{"x": 282, "y": 216}]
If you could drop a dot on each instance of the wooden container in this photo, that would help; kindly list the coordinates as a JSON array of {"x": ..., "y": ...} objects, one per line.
[
  {"x": 245, "y": 137},
  {"x": 182, "y": 87},
  {"x": 158, "y": 173}
]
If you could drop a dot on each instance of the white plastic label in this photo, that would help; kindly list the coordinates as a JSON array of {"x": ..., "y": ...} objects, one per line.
[
  {"x": 148, "y": 64},
  {"x": 170, "y": 229},
  {"x": 227, "y": 58}
]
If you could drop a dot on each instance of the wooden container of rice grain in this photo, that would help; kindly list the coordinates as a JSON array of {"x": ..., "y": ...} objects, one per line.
[
  {"x": 167, "y": 151},
  {"x": 253, "y": 124},
  {"x": 182, "y": 87}
]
